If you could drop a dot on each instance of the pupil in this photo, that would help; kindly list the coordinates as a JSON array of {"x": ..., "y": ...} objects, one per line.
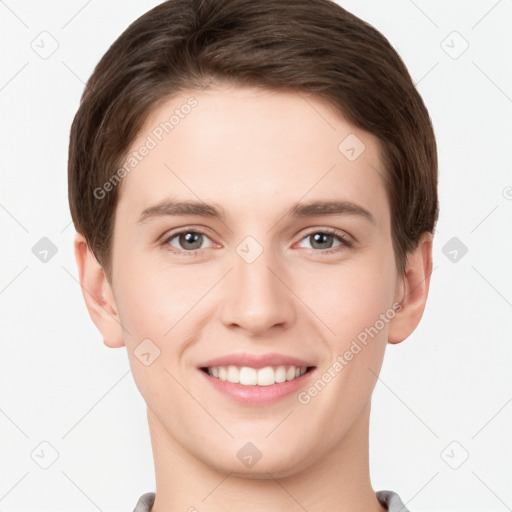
[
  {"x": 196, "y": 238},
  {"x": 191, "y": 238},
  {"x": 320, "y": 238}
]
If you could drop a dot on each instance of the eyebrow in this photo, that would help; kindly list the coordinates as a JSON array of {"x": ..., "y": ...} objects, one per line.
[{"x": 300, "y": 210}]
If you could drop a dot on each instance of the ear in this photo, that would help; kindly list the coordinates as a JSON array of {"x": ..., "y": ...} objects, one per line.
[
  {"x": 98, "y": 294},
  {"x": 413, "y": 291}
]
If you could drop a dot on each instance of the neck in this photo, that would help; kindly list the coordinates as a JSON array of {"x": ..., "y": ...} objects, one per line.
[{"x": 338, "y": 480}]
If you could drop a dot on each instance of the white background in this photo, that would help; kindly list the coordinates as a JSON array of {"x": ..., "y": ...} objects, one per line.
[{"x": 450, "y": 381}]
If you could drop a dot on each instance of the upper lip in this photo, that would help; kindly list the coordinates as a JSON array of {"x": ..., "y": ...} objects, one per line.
[{"x": 255, "y": 361}]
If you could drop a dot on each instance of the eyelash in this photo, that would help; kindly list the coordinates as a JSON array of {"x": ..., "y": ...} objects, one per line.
[{"x": 345, "y": 242}]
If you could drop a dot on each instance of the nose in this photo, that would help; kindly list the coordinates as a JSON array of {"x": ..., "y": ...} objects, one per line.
[{"x": 257, "y": 296}]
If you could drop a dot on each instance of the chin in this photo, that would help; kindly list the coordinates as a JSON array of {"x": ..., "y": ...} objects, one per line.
[{"x": 250, "y": 462}]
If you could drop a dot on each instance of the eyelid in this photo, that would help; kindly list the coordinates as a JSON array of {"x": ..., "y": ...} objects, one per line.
[
  {"x": 186, "y": 229},
  {"x": 346, "y": 241}
]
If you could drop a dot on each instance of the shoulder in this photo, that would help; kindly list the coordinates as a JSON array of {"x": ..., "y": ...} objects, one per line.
[
  {"x": 391, "y": 500},
  {"x": 145, "y": 502}
]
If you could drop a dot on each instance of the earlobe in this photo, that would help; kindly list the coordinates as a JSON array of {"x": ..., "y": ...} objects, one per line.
[
  {"x": 98, "y": 294},
  {"x": 414, "y": 290}
]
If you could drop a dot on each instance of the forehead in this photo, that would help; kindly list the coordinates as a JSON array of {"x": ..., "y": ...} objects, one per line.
[{"x": 249, "y": 148}]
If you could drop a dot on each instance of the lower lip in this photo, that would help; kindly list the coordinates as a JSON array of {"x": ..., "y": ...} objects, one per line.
[{"x": 258, "y": 395}]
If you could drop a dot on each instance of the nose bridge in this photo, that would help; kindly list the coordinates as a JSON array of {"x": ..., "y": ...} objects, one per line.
[{"x": 257, "y": 298}]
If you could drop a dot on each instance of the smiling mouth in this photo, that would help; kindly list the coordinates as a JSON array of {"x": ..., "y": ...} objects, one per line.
[{"x": 266, "y": 376}]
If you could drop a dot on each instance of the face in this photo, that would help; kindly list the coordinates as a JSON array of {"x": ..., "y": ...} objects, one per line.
[{"x": 268, "y": 274}]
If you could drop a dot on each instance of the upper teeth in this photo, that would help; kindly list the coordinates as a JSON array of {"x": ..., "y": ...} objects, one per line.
[{"x": 256, "y": 377}]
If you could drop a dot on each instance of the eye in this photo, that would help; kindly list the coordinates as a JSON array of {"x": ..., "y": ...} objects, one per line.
[
  {"x": 323, "y": 240},
  {"x": 187, "y": 241}
]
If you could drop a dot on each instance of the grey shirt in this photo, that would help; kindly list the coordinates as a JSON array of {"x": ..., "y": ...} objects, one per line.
[{"x": 388, "y": 499}]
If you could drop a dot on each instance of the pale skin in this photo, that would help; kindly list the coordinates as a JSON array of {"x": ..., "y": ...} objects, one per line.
[{"x": 255, "y": 154}]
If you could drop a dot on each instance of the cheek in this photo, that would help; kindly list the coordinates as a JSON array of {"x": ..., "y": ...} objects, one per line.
[
  {"x": 150, "y": 293},
  {"x": 149, "y": 308},
  {"x": 358, "y": 302},
  {"x": 354, "y": 297},
  {"x": 154, "y": 296},
  {"x": 165, "y": 305}
]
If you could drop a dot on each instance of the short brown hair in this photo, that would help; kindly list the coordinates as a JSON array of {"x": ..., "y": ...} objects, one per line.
[{"x": 307, "y": 46}]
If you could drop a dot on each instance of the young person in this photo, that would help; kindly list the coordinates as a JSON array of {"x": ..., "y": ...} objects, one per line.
[{"x": 254, "y": 190}]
